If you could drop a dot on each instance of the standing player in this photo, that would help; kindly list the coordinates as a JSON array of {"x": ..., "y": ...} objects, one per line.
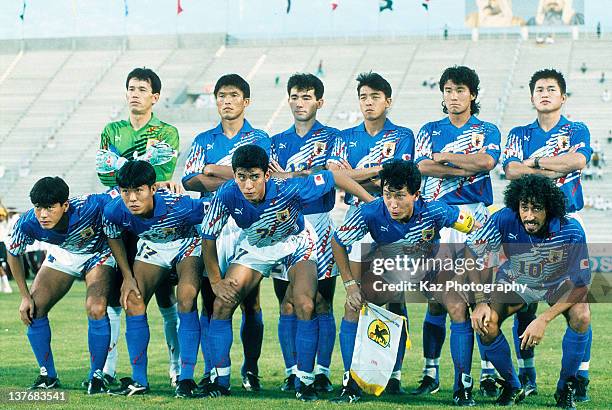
[
  {"x": 455, "y": 155},
  {"x": 274, "y": 232},
  {"x": 128, "y": 139},
  {"x": 400, "y": 222},
  {"x": 558, "y": 149},
  {"x": 164, "y": 223},
  {"x": 78, "y": 248},
  {"x": 208, "y": 167},
  {"x": 360, "y": 152},
  {"x": 306, "y": 147},
  {"x": 547, "y": 252}
]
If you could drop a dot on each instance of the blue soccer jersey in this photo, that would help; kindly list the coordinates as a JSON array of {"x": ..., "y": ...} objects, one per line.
[
  {"x": 361, "y": 150},
  {"x": 83, "y": 235},
  {"x": 213, "y": 147},
  {"x": 443, "y": 136},
  {"x": 295, "y": 153},
  {"x": 531, "y": 141},
  {"x": 174, "y": 217},
  {"x": 534, "y": 261},
  {"x": 276, "y": 218}
]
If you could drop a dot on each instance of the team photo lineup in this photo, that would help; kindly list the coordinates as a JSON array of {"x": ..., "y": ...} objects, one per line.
[{"x": 248, "y": 206}]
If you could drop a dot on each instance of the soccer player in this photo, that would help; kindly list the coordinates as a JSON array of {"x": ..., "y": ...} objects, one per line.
[
  {"x": 130, "y": 138},
  {"x": 546, "y": 251},
  {"x": 269, "y": 211},
  {"x": 400, "y": 222},
  {"x": 455, "y": 155},
  {"x": 558, "y": 149},
  {"x": 359, "y": 152},
  {"x": 208, "y": 167},
  {"x": 78, "y": 249},
  {"x": 165, "y": 225},
  {"x": 305, "y": 148}
]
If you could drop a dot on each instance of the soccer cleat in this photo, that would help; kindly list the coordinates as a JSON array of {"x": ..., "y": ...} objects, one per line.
[
  {"x": 322, "y": 384},
  {"x": 129, "y": 388},
  {"x": 288, "y": 383},
  {"x": 205, "y": 381},
  {"x": 250, "y": 382},
  {"x": 186, "y": 389},
  {"x": 97, "y": 384},
  {"x": 427, "y": 385},
  {"x": 566, "y": 398},
  {"x": 463, "y": 397},
  {"x": 213, "y": 391},
  {"x": 509, "y": 395},
  {"x": 351, "y": 393},
  {"x": 488, "y": 386},
  {"x": 529, "y": 387},
  {"x": 306, "y": 392},
  {"x": 108, "y": 379},
  {"x": 174, "y": 377},
  {"x": 394, "y": 386},
  {"x": 582, "y": 389},
  {"x": 44, "y": 382}
]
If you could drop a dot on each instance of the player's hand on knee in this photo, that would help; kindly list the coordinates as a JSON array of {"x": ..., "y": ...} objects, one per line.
[
  {"x": 129, "y": 286},
  {"x": 353, "y": 297},
  {"x": 226, "y": 290},
  {"x": 534, "y": 334},
  {"x": 26, "y": 310},
  {"x": 481, "y": 316}
]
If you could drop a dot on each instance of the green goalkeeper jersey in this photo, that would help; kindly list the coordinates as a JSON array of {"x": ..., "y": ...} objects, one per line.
[{"x": 121, "y": 138}]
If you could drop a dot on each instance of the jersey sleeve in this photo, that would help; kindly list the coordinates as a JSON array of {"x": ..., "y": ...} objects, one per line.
[
  {"x": 580, "y": 140},
  {"x": 106, "y": 142},
  {"x": 19, "y": 237},
  {"x": 170, "y": 136},
  {"x": 353, "y": 228},
  {"x": 423, "y": 148},
  {"x": 578, "y": 261},
  {"x": 216, "y": 217},
  {"x": 489, "y": 237},
  {"x": 448, "y": 214},
  {"x": 196, "y": 160},
  {"x": 196, "y": 207},
  {"x": 111, "y": 220},
  {"x": 339, "y": 148},
  {"x": 513, "y": 151},
  {"x": 316, "y": 185},
  {"x": 492, "y": 142},
  {"x": 405, "y": 149}
]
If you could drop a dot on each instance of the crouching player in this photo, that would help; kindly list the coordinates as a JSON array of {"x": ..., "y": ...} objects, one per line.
[
  {"x": 546, "y": 251},
  {"x": 269, "y": 210},
  {"x": 73, "y": 228},
  {"x": 401, "y": 222},
  {"x": 165, "y": 225}
]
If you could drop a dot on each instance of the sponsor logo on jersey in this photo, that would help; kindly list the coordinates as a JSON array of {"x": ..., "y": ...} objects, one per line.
[
  {"x": 319, "y": 147},
  {"x": 477, "y": 140},
  {"x": 555, "y": 255},
  {"x": 282, "y": 216},
  {"x": 388, "y": 149},
  {"x": 563, "y": 142}
]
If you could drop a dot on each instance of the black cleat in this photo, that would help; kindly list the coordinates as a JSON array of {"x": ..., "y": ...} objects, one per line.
[
  {"x": 186, "y": 389},
  {"x": 203, "y": 383},
  {"x": 566, "y": 398},
  {"x": 582, "y": 389},
  {"x": 97, "y": 384},
  {"x": 250, "y": 382},
  {"x": 509, "y": 395},
  {"x": 289, "y": 383},
  {"x": 44, "y": 382},
  {"x": 306, "y": 392},
  {"x": 529, "y": 387},
  {"x": 322, "y": 384},
  {"x": 351, "y": 393},
  {"x": 463, "y": 397},
  {"x": 488, "y": 387},
  {"x": 213, "y": 391},
  {"x": 129, "y": 388},
  {"x": 394, "y": 386},
  {"x": 427, "y": 385}
]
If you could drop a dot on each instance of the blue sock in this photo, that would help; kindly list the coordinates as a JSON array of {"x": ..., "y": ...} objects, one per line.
[
  {"x": 39, "y": 334},
  {"x": 583, "y": 370},
  {"x": 573, "y": 347},
  {"x": 137, "y": 337},
  {"x": 251, "y": 334},
  {"x": 221, "y": 336},
  {"x": 401, "y": 350},
  {"x": 306, "y": 337},
  {"x": 189, "y": 337},
  {"x": 498, "y": 353},
  {"x": 348, "y": 333},
  {"x": 461, "y": 346},
  {"x": 98, "y": 338},
  {"x": 327, "y": 339},
  {"x": 434, "y": 333},
  {"x": 286, "y": 337},
  {"x": 526, "y": 357},
  {"x": 204, "y": 343}
]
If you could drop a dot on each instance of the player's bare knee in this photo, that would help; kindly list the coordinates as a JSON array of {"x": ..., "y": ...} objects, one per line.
[
  {"x": 322, "y": 306},
  {"x": 457, "y": 312},
  {"x": 580, "y": 317},
  {"x": 223, "y": 309},
  {"x": 304, "y": 307},
  {"x": 286, "y": 308},
  {"x": 135, "y": 305},
  {"x": 185, "y": 305},
  {"x": 96, "y": 308}
]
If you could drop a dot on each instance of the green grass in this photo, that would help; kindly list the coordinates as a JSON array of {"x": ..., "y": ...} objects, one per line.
[{"x": 69, "y": 326}]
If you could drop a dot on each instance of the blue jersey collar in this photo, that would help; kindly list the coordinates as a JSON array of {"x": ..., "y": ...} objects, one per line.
[
  {"x": 387, "y": 127},
  {"x": 315, "y": 127},
  {"x": 473, "y": 120},
  {"x": 246, "y": 127},
  {"x": 562, "y": 121}
]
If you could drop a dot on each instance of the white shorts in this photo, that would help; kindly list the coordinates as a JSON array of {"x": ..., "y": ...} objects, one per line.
[
  {"x": 294, "y": 249},
  {"x": 363, "y": 249},
  {"x": 77, "y": 264},
  {"x": 168, "y": 254},
  {"x": 226, "y": 245}
]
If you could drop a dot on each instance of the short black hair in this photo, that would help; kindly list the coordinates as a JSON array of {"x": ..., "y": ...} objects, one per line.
[
  {"x": 49, "y": 191},
  {"x": 462, "y": 75},
  {"x": 233, "y": 80},
  {"x": 136, "y": 173},
  {"x": 145, "y": 74},
  {"x": 305, "y": 82},
  {"x": 548, "y": 73},
  {"x": 375, "y": 81},
  {"x": 398, "y": 174},
  {"x": 535, "y": 189},
  {"x": 250, "y": 156}
]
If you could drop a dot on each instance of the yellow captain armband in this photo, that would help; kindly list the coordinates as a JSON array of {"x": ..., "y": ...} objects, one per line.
[{"x": 464, "y": 222}]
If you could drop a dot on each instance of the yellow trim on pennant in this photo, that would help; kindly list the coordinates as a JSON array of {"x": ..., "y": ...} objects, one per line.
[{"x": 374, "y": 389}]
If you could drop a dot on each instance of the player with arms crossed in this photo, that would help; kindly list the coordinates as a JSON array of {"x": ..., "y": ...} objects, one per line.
[
  {"x": 546, "y": 251},
  {"x": 269, "y": 211}
]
